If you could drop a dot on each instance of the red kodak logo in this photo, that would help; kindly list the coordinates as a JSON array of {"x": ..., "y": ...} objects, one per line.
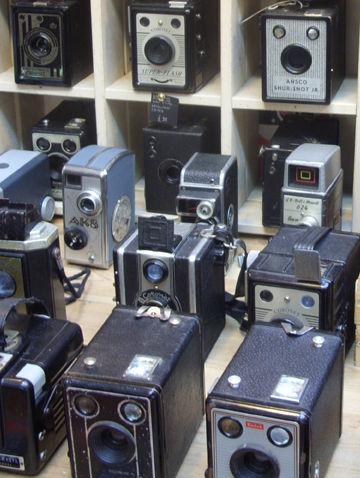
[{"x": 258, "y": 426}]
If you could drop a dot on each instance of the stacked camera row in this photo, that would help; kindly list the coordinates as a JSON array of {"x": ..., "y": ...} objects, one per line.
[
  {"x": 133, "y": 406},
  {"x": 175, "y": 46}
]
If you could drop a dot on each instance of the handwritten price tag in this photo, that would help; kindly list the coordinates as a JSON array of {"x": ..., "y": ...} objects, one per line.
[{"x": 164, "y": 109}]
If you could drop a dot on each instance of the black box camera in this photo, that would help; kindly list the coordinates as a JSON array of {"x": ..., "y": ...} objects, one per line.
[
  {"x": 62, "y": 133},
  {"x": 303, "y": 52},
  {"x": 313, "y": 186},
  {"x": 35, "y": 352},
  {"x": 134, "y": 406},
  {"x": 277, "y": 409},
  {"x": 174, "y": 265},
  {"x": 175, "y": 45},
  {"x": 306, "y": 276},
  {"x": 166, "y": 151},
  {"x": 293, "y": 131},
  {"x": 52, "y": 41},
  {"x": 28, "y": 251}
]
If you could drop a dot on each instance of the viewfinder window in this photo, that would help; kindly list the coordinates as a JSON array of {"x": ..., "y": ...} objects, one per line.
[{"x": 303, "y": 177}]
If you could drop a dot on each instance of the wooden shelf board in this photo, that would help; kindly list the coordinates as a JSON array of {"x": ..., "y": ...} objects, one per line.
[
  {"x": 122, "y": 89},
  {"x": 83, "y": 89},
  {"x": 345, "y": 101}
]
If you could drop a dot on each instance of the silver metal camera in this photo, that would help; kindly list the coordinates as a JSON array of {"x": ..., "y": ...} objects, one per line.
[
  {"x": 303, "y": 52},
  {"x": 99, "y": 202},
  {"x": 313, "y": 183}
]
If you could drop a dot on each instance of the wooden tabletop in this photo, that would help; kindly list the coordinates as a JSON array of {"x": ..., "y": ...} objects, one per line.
[{"x": 95, "y": 306}]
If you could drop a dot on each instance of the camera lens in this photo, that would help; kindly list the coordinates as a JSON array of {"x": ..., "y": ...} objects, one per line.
[
  {"x": 89, "y": 203},
  {"x": 43, "y": 144},
  {"x": 170, "y": 171},
  {"x": 159, "y": 50},
  {"x": 7, "y": 285},
  {"x": 266, "y": 295},
  {"x": 155, "y": 271},
  {"x": 252, "y": 462},
  {"x": 175, "y": 23},
  {"x": 40, "y": 45},
  {"x": 144, "y": 21},
  {"x": 112, "y": 443},
  {"x": 230, "y": 427},
  {"x": 86, "y": 405},
  {"x": 296, "y": 59},
  {"x": 69, "y": 146}
]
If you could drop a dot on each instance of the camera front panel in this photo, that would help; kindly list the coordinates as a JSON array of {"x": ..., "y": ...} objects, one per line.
[
  {"x": 85, "y": 219},
  {"x": 302, "y": 306},
  {"x": 160, "y": 49},
  {"x": 110, "y": 434},
  {"x": 39, "y": 42},
  {"x": 296, "y": 55},
  {"x": 250, "y": 445},
  {"x": 59, "y": 147}
]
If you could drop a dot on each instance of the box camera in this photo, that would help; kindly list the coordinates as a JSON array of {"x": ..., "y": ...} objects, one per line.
[
  {"x": 99, "y": 203},
  {"x": 293, "y": 131},
  {"x": 62, "y": 133},
  {"x": 52, "y": 41},
  {"x": 134, "y": 406},
  {"x": 25, "y": 178},
  {"x": 303, "y": 52},
  {"x": 277, "y": 409},
  {"x": 35, "y": 352},
  {"x": 208, "y": 189},
  {"x": 175, "y": 45},
  {"x": 306, "y": 276},
  {"x": 179, "y": 265},
  {"x": 28, "y": 266},
  {"x": 313, "y": 184},
  {"x": 166, "y": 151}
]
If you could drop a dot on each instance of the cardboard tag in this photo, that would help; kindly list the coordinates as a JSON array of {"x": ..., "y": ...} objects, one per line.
[{"x": 164, "y": 109}]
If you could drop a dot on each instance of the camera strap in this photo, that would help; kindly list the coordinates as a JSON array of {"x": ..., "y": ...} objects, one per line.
[
  {"x": 274, "y": 6},
  {"x": 8, "y": 305},
  {"x": 75, "y": 289}
]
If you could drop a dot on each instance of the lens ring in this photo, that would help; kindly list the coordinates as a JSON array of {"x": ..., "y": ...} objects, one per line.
[
  {"x": 266, "y": 295},
  {"x": 155, "y": 271},
  {"x": 57, "y": 161},
  {"x": 159, "y": 50},
  {"x": 296, "y": 59},
  {"x": 112, "y": 443},
  {"x": 170, "y": 171},
  {"x": 89, "y": 203},
  {"x": 40, "y": 45},
  {"x": 252, "y": 462},
  {"x": 132, "y": 412},
  {"x": 85, "y": 405},
  {"x": 43, "y": 144},
  {"x": 230, "y": 427}
]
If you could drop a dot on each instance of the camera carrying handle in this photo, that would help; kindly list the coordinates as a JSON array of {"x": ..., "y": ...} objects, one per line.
[
  {"x": 35, "y": 306},
  {"x": 306, "y": 258}
]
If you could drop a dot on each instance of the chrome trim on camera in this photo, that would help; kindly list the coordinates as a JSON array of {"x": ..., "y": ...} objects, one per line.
[{"x": 41, "y": 236}]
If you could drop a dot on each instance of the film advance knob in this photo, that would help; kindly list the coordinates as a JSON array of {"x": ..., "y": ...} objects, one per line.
[{"x": 75, "y": 240}]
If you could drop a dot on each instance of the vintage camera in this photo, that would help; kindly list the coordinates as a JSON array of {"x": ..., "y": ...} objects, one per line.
[
  {"x": 313, "y": 184},
  {"x": 52, "y": 41},
  {"x": 25, "y": 178},
  {"x": 175, "y": 46},
  {"x": 277, "y": 409},
  {"x": 136, "y": 410},
  {"x": 303, "y": 52},
  {"x": 28, "y": 257},
  {"x": 35, "y": 352},
  {"x": 208, "y": 189},
  {"x": 166, "y": 151},
  {"x": 293, "y": 131},
  {"x": 62, "y": 133},
  {"x": 307, "y": 276},
  {"x": 179, "y": 265},
  {"x": 99, "y": 203}
]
